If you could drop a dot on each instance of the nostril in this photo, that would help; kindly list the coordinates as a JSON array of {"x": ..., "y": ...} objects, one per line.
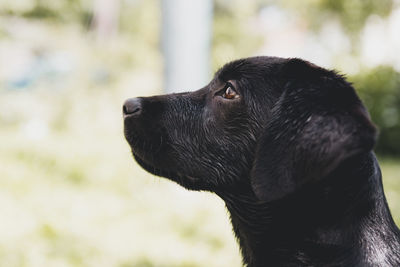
[
  {"x": 124, "y": 109},
  {"x": 132, "y": 106}
]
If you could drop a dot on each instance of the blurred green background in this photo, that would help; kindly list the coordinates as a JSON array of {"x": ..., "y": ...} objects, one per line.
[{"x": 70, "y": 194}]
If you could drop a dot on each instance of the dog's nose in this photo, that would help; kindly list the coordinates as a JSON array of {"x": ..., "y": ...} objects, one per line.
[{"x": 132, "y": 106}]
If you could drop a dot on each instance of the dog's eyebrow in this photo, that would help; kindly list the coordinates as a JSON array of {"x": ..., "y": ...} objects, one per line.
[
  {"x": 215, "y": 83},
  {"x": 226, "y": 73}
]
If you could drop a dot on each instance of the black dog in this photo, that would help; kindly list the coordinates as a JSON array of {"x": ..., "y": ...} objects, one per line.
[{"x": 288, "y": 146}]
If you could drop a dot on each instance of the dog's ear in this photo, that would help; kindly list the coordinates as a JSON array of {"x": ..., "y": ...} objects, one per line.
[{"x": 316, "y": 124}]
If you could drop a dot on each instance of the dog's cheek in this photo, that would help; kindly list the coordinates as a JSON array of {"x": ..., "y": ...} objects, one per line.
[
  {"x": 208, "y": 144},
  {"x": 225, "y": 110}
]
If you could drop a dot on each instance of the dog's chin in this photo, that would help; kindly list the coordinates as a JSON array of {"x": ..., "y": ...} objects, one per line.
[
  {"x": 189, "y": 182},
  {"x": 150, "y": 167}
]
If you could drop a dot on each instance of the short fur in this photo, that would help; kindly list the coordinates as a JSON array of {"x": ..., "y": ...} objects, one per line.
[{"x": 291, "y": 157}]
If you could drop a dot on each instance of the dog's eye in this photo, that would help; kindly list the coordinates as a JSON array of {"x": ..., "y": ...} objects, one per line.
[{"x": 229, "y": 93}]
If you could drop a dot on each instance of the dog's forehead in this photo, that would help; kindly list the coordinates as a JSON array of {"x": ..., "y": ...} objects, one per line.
[{"x": 252, "y": 66}]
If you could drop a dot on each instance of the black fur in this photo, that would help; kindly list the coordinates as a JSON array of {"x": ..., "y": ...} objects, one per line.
[{"x": 291, "y": 157}]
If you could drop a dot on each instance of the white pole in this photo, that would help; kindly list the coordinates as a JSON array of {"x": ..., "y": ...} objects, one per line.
[{"x": 186, "y": 39}]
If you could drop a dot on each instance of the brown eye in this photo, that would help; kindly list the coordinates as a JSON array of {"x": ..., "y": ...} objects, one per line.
[{"x": 229, "y": 92}]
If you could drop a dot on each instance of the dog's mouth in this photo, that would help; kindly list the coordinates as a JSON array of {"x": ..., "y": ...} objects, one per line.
[{"x": 152, "y": 150}]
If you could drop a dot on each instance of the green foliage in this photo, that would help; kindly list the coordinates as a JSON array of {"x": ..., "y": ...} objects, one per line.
[
  {"x": 40, "y": 12},
  {"x": 351, "y": 13},
  {"x": 391, "y": 182},
  {"x": 55, "y": 11},
  {"x": 379, "y": 88}
]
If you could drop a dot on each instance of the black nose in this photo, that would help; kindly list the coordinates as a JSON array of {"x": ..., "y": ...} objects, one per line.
[{"x": 132, "y": 106}]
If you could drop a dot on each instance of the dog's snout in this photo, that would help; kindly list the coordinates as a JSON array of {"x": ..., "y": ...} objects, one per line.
[{"x": 132, "y": 107}]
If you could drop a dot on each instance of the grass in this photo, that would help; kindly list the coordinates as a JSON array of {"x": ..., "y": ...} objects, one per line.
[{"x": 79, "y": 201}]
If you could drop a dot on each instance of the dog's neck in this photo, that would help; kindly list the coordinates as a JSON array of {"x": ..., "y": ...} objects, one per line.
[{"x": 333, "y": 222}]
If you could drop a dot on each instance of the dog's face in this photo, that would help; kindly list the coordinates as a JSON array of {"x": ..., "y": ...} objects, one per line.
[{"x": 261, "y": 121}]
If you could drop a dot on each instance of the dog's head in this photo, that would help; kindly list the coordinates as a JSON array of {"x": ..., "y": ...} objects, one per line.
[{"x": 271, "y": 123}]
